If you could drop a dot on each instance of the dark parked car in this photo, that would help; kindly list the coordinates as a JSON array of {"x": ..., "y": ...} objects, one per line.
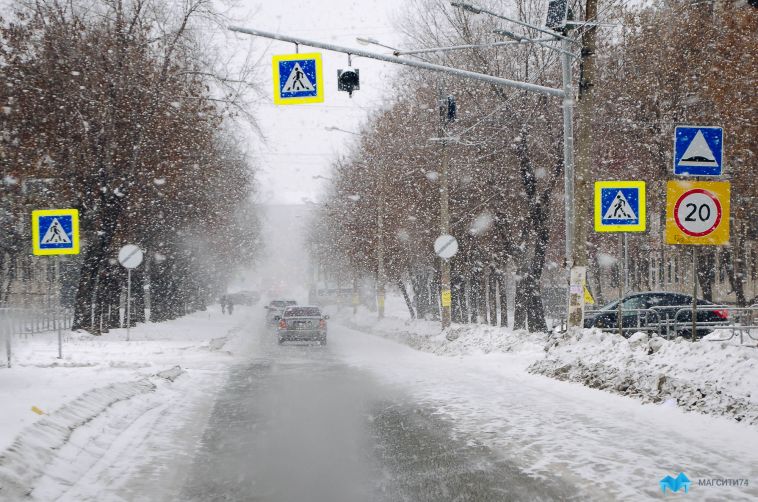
[
  {"x": 244, "y": 297},
  {"x": 656, "y": 309},
  {"x": 275, "y": 309},
  {"x": 302, "y": 323}
]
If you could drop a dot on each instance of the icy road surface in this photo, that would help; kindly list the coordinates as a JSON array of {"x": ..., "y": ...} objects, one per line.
[{"x": 365, "y": 418}]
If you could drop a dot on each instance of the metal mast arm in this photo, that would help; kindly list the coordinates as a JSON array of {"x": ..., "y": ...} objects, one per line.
[{"x": 391, "y": 59}]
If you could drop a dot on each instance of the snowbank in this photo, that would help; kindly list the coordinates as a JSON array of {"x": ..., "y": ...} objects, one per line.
[
  {"x": 100, "y": 387},
  {"x": 458, "y": 340},
  {"x": 708, "y": 377},
  {"x": 35, "y": 447},
  {"x": 712, "y": 377}
]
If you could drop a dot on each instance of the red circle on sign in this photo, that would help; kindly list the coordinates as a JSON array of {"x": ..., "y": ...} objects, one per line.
[{"x": 715, "y": 202}]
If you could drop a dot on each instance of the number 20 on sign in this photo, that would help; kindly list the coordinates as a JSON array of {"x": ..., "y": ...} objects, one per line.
[{"x": 697, "y": 212}]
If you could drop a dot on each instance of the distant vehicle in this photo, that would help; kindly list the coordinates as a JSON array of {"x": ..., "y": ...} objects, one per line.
[
  {"x": 244, "y": 297},
  {"x": 656, "y": 309},
  {"x": 275, "y": 308},
  {"x": 301, "y": 323}
]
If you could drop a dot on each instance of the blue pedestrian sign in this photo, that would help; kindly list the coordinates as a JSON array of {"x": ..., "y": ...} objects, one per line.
[
  {"x": 298, "y": 78},
  {"x": 698, "y": 150},
  {"x": 55, "y": 231},
  {"x": 620, "y": 206}
]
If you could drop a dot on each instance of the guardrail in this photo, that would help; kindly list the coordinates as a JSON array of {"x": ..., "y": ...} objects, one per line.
[
  {"x": 741, "y": 321},
  {"x": 16, "y": 322}
]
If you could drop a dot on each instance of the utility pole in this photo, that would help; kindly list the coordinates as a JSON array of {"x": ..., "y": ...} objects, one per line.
[
  {"x": 582, "y": 182},
  {"x": 444, "y": 212}
]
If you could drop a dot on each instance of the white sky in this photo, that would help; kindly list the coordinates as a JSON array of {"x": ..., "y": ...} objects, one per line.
[{"x": 297, "y": 146}]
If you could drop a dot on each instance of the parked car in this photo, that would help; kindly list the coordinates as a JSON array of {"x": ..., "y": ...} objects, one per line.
[
  {"x": 244, "y": 297},
  {"x": 275, "y": 308},
  {"x": 301, "y": 323},
  {"x": 654, "y": 309}
]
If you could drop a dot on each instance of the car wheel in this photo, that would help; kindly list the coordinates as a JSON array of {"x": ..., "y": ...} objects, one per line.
[
  {"x": 323, "y": 341},
  {"x": 280, "y": 340}
]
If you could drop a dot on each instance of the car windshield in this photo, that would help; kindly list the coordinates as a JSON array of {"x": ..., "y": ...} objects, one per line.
[
  {"x": 302, "y": 312},
  {"x": 232, "y": 271}
]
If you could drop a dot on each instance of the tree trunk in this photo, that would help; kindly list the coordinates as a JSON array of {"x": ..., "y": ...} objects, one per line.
[
  {"x": 94, "y": 260},
  {"x": 706, "y": 272},
  {"x": 481, "y": 284},
  {"x": 404, "y": 291},
  {"x": 735, "y": 266},
  {"x": 138, "y": 295},
  {"x": 493, "y": 298},
  {"x": 464, "y": 297},
  {"x": 503, "y": 293},
  {"x": 474, "y": 297},
  {"x": 434, "y": 295}
]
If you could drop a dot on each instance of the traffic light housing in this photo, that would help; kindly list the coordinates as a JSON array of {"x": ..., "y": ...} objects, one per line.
[{"x": 348, "y": 80}]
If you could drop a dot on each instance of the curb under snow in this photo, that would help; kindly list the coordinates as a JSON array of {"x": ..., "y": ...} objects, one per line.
[
  {"x": 709, "y": 377},
  {"x": 24, "y": 461}
]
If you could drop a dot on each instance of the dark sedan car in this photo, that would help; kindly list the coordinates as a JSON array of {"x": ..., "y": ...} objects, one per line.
[
  {"x": 300, "y": 323},
  {"x": 656, "y": 311}
]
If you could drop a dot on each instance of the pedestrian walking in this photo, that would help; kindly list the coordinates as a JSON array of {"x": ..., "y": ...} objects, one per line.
[
  {"x": 230, "y": 307},
  {"x": 223, "y": 304}
]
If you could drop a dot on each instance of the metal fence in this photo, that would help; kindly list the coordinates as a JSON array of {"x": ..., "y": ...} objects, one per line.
[
  {"x": 675, "y": 320},
  {"x": 18, "y": 323}
]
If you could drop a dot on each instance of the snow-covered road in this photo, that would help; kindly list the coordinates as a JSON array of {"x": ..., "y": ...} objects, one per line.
[{"x": 365, "y": 418}]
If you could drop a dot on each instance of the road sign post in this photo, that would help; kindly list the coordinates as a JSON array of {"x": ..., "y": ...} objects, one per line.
[
  {"x": 697, "y": 214},
  {"x": 446, "y": 246},
  {"x": 129, "y": 256}
]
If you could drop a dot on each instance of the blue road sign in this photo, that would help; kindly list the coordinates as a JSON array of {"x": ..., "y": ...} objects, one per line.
[
  {"x": 298, "y": 78},
  {"x": 620, "y": 206},
  {"x": 698, "y": 150},
  {"x": 55, "y": 231}
]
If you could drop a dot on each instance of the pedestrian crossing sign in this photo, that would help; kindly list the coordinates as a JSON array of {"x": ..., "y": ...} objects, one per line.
[
  {"x": 55, "y": 231},
  {"x": 620, "y": 206},
  {"x": 298, "y": 79}
]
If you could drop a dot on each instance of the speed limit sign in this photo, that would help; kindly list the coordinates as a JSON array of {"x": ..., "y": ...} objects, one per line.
[{"x": 697, "y": 212}]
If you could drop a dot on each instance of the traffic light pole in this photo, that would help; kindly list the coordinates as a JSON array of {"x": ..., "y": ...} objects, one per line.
[
  {"x": 526, "y": 86},
  {"x": 576, "y": 301},
  {"x": 446, "y": 302}
]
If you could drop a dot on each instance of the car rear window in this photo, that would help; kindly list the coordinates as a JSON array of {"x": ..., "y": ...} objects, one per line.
[{"x": 302, "y": 312}]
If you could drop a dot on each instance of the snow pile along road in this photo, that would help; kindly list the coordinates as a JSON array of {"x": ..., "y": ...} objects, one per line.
[
  {"x": 34, "y": 449},
  {"x": 460, "y": 339},
  {"x": 711, "y": 377}
]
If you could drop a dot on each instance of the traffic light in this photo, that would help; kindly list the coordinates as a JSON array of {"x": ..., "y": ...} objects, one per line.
[
  {"x": 348, "y": 80},
  {"x": 448, "y": 109},
  {"x": 558, "y": 12}
]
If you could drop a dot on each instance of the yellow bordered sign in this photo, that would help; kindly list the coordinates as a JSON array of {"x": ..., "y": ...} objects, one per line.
[
  {"x": 697, "y": 212},
  {"x": 298, "y": 79},
  {"x": 620, "y": 206},
  {"x": 446, "y": 298},
  {"x": 55, "y": 231}
]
